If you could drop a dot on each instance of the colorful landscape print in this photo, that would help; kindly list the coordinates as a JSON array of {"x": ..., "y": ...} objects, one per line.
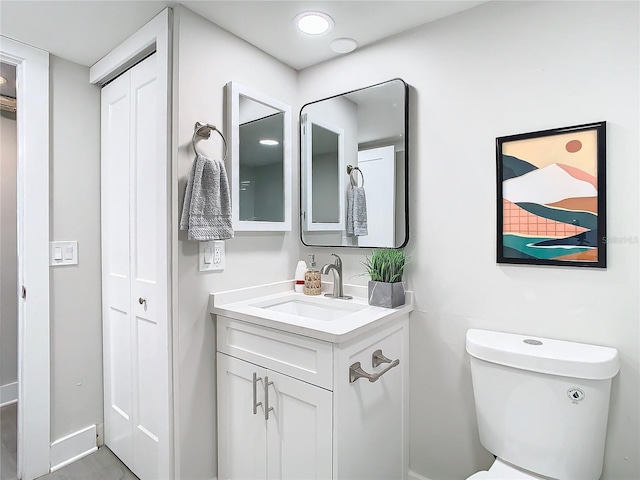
[{"x": 550, "y": 198}]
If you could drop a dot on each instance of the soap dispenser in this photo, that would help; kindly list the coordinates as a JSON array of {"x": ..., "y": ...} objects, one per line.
[{"x": 312, "y": 279}]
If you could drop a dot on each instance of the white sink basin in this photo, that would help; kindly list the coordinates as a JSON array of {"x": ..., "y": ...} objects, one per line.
[
  {"x": 276, "y": 305},
  {"x": 326, "y": 309}
]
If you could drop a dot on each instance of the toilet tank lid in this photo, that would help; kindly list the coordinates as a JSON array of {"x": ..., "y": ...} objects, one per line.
[{"x": 544, "y": 355}]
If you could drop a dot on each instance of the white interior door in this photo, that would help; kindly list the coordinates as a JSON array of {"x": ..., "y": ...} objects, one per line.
[
  {"x": 135, "y": 266},
  {"x": 299, "y": 430},
  {"x": 242, "y": 450},
  {"x": 378, "y": 168}
]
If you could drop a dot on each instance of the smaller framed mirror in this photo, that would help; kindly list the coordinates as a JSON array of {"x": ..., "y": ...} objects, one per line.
[{"x": 259, "y": 136}]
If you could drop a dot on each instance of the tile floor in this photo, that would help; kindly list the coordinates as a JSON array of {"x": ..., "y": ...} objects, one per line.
[{"x": 100, "y": 465}]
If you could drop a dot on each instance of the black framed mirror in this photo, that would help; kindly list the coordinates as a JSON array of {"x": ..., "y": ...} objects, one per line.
[{"x": 354, "y": 157}]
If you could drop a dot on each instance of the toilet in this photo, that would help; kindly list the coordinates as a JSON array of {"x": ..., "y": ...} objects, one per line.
[{"x": 541, "y": 405}]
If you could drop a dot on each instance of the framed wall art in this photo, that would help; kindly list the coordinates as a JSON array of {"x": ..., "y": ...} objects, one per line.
[{"x": 551, "y": 197}]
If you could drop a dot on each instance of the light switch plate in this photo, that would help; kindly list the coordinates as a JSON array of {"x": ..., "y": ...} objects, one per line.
[
  {"x": 63, "y": 253},
  {"x": 211, "y": 256}
]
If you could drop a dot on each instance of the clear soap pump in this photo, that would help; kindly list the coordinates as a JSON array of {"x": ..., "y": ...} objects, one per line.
[{"x": 312, "y": 279}]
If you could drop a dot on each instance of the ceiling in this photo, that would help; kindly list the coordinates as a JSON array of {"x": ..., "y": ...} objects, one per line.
[{"x": 85, "y": 31}]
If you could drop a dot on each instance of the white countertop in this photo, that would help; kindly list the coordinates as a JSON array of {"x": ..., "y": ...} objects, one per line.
[{"x": 245, "y": 304}]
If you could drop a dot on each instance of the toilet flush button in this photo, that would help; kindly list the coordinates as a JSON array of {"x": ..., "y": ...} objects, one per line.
[
  {"x": 575, "y": 394},
  {"x": 531, "y": 341}
]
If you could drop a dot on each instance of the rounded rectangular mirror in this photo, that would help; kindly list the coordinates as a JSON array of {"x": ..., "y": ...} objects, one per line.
[
  {"x": 259, "y": 137},
  {"x": 354, "y": 168}
]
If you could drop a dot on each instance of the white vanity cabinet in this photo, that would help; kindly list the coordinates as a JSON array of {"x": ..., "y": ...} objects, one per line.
[{"x": 288, "y": 410}]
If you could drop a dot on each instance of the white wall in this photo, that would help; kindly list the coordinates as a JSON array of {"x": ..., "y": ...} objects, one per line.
[
  {"x": 8, "y": 253},
  {"x": 499, "y": 69},
  {"x": 205, "y": 59},
  {"x": 76, "y": 318}
]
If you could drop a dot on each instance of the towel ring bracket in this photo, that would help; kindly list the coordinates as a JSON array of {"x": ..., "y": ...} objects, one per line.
[{"x": 203, "y": 130}]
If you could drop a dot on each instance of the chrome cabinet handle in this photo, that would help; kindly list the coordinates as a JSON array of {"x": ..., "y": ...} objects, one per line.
[
  {"x": 142, "y": 301},
  {"x": 267, "y": 408},
  {"x": 356, "y": 371},
  {"x": 256, "y": 404}
]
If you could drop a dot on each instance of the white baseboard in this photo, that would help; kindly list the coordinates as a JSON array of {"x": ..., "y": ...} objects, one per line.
[
  {"x": 8, "y": 394},
  {"x": 73, "y": 447},
  {"x": 415, "y": 476}
]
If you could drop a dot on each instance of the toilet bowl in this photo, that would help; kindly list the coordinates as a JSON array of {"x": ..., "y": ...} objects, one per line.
[{"x": 501, "y": 470}]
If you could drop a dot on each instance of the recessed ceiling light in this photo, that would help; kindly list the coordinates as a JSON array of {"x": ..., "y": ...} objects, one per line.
[
  {"x": 344, "y": 45},
  {"x": 314, "y": 23},
  {"x": 2, "y": 80},
  {"x": 268, "y": 141}
]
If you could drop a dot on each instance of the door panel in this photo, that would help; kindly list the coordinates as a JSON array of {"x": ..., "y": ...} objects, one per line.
[
  {"x": 118, "y": 406},
  {"x": 378, "y": 169},
  {"x": 145, "y": 265},
  {"x": 144, "y": 163},
  {"x": 299, "y": 430},
  {"x": 148, "y": 414},
  {"x": 242, "y": 449}
]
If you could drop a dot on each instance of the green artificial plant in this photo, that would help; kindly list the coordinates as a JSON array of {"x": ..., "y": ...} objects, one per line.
[{"x": 386, "y": 265}]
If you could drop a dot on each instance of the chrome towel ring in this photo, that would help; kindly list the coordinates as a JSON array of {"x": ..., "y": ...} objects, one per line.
[
  {"x": 354, "y": 181},
  {"x": 203, "y": 130}
]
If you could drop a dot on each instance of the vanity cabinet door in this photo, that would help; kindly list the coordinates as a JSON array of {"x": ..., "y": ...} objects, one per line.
[
  {"x": 242, "y": 442},
  {"x": 299, "y": 430},
  {"x": 294, "y": 443}
]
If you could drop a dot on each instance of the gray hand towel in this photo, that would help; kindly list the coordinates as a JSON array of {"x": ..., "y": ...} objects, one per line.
[
  {"x": 357, "y": 212},
  {"x": 206, "y": 211}
]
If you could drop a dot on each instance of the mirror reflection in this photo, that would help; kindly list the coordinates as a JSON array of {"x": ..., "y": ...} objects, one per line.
[
  {"x": 261, "y": 166},
  {"x": 353, "y": 168},
  {"x": 259, "y": 133}
]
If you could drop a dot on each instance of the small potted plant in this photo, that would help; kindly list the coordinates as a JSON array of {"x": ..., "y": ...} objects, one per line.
[{"x": 385, "y": 267}]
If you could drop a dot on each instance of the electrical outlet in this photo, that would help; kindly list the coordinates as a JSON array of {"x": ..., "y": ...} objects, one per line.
[{"x": 211, "y": 256}]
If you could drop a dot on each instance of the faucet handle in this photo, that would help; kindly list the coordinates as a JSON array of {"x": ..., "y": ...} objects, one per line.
[{"x": 338, "y": 261}]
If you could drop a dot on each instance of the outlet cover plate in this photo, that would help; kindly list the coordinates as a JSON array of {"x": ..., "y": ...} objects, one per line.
[
  {"x": 211, "y": 256},
  {"x": 63, "y": 253}
]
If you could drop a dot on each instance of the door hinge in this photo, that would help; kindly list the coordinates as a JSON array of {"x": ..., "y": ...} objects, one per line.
[{"x": 23, "y": 292}]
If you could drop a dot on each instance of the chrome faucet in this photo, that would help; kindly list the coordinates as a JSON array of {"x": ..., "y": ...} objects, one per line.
[{"x": 337, "y": 278}]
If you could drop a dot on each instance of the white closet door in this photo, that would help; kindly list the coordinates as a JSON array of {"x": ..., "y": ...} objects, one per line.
[
  {"x": 116, "y": 304},
  {"x": 135, "y": 239}
]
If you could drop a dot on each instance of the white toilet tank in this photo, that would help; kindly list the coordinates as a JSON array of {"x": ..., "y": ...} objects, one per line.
[{"x": 542, "y": 404}]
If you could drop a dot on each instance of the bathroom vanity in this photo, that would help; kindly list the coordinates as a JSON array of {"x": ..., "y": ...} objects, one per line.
[{"x": 311, "y": 387}]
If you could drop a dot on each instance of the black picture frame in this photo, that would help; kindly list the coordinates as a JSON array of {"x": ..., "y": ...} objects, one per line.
[{"x": 551, "y": 204}]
